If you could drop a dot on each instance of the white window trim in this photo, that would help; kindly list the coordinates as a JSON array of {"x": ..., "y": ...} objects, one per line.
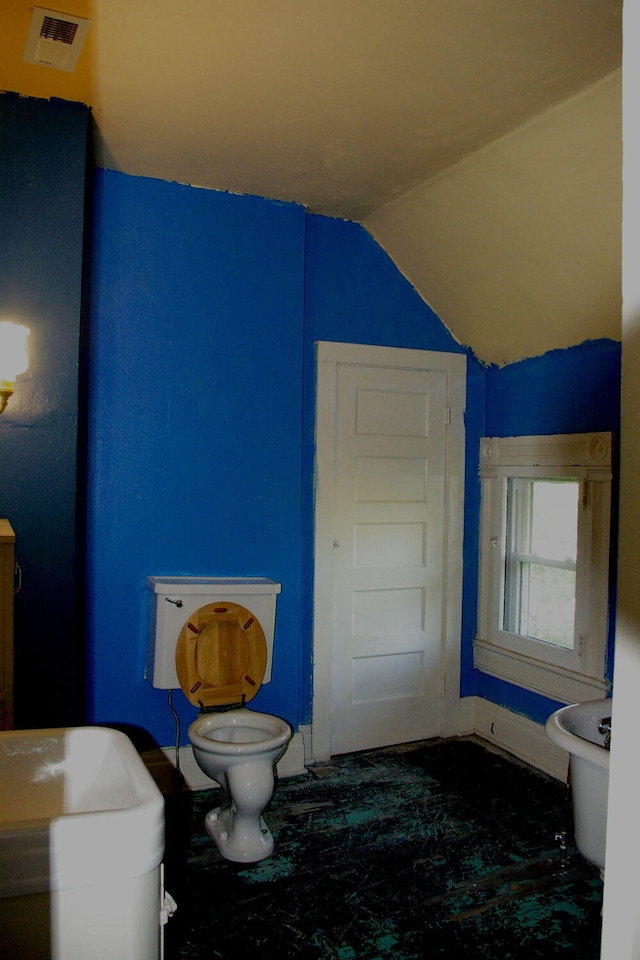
[{"x": 566, "y": 676}]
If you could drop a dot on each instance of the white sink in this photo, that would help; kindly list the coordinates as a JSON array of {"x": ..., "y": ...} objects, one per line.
[{"x": 82, "y": 819}]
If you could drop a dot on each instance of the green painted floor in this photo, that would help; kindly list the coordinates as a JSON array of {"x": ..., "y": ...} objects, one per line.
[{"x": 434, "y": 849}]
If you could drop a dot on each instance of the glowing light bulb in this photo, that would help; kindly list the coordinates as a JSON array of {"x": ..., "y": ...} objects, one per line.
[{"x": 13, "y": 357}]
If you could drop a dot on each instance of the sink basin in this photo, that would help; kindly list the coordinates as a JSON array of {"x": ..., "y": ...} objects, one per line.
[{"x": 82, "y": 821}]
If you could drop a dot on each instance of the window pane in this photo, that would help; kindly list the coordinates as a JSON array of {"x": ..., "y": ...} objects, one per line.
[
  {"x": 551, "y": 607},
  {"x": 540, "y": 562},
  {"x": 554, "y": 519}
]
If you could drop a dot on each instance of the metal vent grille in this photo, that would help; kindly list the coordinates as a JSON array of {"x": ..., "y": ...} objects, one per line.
[
  {"x": 55, "y": 39},
  {"x": 63, "y": 31}
]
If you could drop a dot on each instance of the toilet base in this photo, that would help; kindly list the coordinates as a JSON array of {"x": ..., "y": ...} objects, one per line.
[{"x": 248, "y": 843}]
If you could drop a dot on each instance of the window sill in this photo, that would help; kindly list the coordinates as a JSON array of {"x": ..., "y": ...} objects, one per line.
[{"x": 557, "y": 683}]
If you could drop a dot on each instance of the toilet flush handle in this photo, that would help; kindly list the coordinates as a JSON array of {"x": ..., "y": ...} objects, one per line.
[{"x": 178, "y": 601}]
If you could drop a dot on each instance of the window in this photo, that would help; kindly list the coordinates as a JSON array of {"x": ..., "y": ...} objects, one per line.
[
  {"x": 544, "y": 563},
  {"x": 541, "y": 537}
]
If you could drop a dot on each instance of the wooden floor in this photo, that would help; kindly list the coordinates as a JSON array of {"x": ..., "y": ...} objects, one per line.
[{"x": 435, "y": 849}]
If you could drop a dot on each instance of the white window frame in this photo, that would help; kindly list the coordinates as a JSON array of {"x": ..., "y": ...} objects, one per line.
[{"x": 566, "y": 676}]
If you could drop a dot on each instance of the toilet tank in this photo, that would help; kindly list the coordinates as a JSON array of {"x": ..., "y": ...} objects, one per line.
[{"x": 172, "y": 600}]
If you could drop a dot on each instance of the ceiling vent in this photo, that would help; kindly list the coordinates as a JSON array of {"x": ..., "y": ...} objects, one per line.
[{"x": 55, "y": 39}]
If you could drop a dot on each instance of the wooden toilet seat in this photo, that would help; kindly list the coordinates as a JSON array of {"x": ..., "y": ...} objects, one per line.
[{"x": 221, "y": 655}]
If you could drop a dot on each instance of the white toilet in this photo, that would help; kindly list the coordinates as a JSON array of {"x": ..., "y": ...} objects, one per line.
[{"x": 213, "y": 638}]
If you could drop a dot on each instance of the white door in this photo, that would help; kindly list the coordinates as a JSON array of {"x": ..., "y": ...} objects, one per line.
[{"x": 382, "y": 516}]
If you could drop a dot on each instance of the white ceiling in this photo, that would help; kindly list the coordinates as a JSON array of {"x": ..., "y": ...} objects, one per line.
[
  {"x": 340, "y": 105},
  {"x": 478, "y": 141}
]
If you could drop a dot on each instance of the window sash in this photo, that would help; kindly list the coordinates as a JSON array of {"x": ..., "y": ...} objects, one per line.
[
  {"x": 521, "y": 519},
  {"x": 521, "y": 610}
]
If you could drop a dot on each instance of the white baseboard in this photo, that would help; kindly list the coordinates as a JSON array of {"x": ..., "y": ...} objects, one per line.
[
  {"x": 305, "y": 731},
  {"x": 511, "y": 732},
  {"x": 290, "y": 765},
  {"x": 521, "y": 737},
  {"x": 461, "y": 721}
]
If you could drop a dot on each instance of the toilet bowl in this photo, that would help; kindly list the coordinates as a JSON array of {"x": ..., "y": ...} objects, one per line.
[
  {"x": 221, "y": 632},
  {"x": 239, "y": 749}
]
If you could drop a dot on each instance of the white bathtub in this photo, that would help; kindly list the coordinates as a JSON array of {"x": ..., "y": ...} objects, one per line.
[
  {"x": 575, "y": 729},
  {"x": 81, "y": 845}
]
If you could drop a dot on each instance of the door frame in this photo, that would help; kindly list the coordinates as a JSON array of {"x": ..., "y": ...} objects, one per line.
[{"x": 329, "y": 355}]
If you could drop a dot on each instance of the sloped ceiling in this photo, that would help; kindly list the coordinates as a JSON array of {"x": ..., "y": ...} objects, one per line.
[
  {"x": 368, "y": 110},
  {"x": 518, "y": 248}
]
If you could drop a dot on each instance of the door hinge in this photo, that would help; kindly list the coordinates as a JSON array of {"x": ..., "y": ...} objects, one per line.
[
  {"x": 442, "y": 686},
  {"x": 447, "y": 414}
]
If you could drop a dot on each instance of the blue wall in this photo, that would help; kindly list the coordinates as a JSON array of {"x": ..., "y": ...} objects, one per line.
[
  {"x": 42, "y": 213},
  {"x": 195, "y": 422},
  {"x": 564, "y": 391}
]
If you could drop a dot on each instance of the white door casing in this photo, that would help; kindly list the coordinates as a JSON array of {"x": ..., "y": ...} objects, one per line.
[{"x": 388, "y": 552}]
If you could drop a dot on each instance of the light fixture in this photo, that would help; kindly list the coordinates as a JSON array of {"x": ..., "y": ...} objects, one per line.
[{"x": 13, "y": 357}]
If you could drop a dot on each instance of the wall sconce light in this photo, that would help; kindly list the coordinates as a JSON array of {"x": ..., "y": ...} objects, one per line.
[{"x": 13, "y": 357}]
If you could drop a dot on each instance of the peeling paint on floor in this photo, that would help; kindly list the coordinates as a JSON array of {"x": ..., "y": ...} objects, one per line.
[{"x": 434, "y": 849}]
